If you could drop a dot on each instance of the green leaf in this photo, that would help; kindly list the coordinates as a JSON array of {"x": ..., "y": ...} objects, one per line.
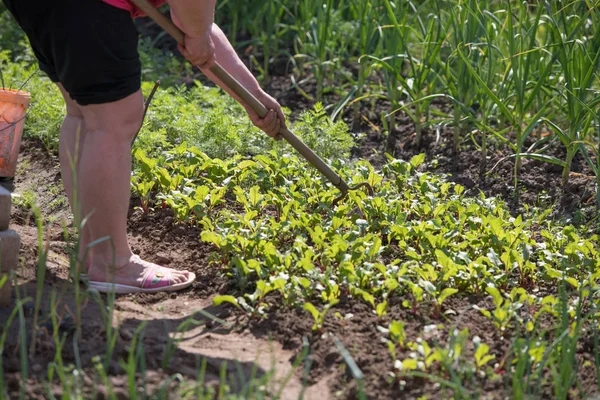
[
  {"x": 481, "y": 355},
  {"x": 254, "y": 265},
  {"x": 279, "y": 283},
  {"x": 381, "y": 309},
  {"x": 366, "y": 296},
  {"x": 485, "y": 312},
  {"x": 573, "y": 282},
  {"x": 164, "y": 178},
  {"x": 445, "y": 293},
  {"x": 305, "y": 283},
  {"x": 216, "y": 196},
  {"x": 429, "y": 287},
  {"x": 374, "y": 249},
  {"x": 529, "y": 326},
  {"x": 218, "y": 300},
  {"x": 312, "y": 310},
  {"x": 496, "y": 295},
  {"x": 264, "y": 288},
  {"x": 500, "y": 315},
  {"x": 397, "y": 332},
  {"x": 554, "y": 273},
  {"x": 211, "y": 237},
  {"x": 417, "y": 160},
  {"x": 493, "y": 257},
  {"x": 147, "y": 164},
  {"x": 201, "y": 193},
  {"x": 409, "y": 364},
  {"x": 255, "y": 196},
  {"x": 246, "y": 164},
  {"x": 240, "y": 195}
]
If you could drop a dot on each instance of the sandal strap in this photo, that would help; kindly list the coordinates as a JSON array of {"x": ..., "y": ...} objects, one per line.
[
  {"x": 157, "y": 277},
  {"x": 149, "y": 272}
]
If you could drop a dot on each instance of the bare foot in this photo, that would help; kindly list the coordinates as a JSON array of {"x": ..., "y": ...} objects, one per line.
[{"x": 139, "y": 274}]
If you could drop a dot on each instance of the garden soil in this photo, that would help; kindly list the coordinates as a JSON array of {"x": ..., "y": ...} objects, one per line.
[{"x": 276, "y": 342}]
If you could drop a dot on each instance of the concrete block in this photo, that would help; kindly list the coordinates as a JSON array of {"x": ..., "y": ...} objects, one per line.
[
  {"x": 5, "y": 203},
  {"x": 10, "y": 243},
  {"x": 5, "y": 292},
  {"x": 9, "y": 250}
]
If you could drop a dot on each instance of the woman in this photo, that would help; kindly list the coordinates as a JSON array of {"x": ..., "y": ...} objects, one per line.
[{"x": 89, "y": 49}]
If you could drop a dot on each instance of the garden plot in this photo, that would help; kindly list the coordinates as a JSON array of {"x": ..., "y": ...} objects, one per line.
[
  {"x": 427, "y": 290},
  {"x": 470, "y": 273}
]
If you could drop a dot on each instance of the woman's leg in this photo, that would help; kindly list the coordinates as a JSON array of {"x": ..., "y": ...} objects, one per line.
[
  {"x": 104, "y": 186},
  {"x": 72, "y": 136}
]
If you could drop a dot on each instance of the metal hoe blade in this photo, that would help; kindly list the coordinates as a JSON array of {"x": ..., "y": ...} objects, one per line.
[{"x": 344, "y": 193}]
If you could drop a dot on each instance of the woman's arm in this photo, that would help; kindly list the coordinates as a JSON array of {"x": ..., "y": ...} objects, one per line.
[
  {"x": 230, "y": 61},
  {"x": 196, "y": 50},
  {"x": 194, "y": 17}
]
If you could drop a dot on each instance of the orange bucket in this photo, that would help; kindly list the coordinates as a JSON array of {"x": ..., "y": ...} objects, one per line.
[{"x": 13, "y": 109}]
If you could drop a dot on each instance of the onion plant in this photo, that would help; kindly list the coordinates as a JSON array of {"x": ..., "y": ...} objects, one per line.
[
  {"x": 315, "y": 37},
  {"x": 267, "y": 29},
  {"x": 465, "y": 31},
  {"x": 421, "y": 77},
  {"x": 577, "y": 48},
  {"x": 592, "y": 145},
  {"x": 527, "y": 74},
  {"x": 366, "y": 12},
  {"x": 474, "y": 30},
  {"x": 416, "y": 83},
  {"x": 233, "y": 16},
  {"x": 394, "y": 47}
]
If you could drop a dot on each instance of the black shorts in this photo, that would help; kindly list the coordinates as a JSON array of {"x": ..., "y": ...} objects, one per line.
[{"x": 87, "y": 45}]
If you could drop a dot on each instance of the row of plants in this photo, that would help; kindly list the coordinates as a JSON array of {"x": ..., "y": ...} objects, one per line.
[
  {"x": 417, "y": 241},
  {"x": 521, "y": 74},
  {"x": 216, "y": 124}
]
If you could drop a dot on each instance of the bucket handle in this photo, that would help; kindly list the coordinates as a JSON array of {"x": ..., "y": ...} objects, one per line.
[{"x": 15, "y": 122}]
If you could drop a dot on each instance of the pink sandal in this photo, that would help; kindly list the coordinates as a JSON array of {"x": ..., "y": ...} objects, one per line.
[{"x": 156, "y": 279}]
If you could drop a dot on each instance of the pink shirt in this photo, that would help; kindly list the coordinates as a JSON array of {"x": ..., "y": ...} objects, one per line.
[{"x": 127, "y": 5}]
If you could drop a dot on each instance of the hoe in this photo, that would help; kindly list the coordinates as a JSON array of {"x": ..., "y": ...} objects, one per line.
[{"x": 256, "y": 105}]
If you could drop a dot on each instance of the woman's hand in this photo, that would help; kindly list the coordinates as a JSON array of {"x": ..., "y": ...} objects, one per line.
[
  {"x": 216, "y": 45},
  {"x": 199, "y": 50},
  {"x": 196, "y": 19},
  {"x": 274, "y": 121}
]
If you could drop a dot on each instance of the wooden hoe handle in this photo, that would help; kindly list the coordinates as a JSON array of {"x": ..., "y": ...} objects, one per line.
[{"x": 245, "y": 95}]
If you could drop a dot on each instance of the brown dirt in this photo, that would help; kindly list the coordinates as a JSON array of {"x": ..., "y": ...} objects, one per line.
[{"x": 360, "y": 334}]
